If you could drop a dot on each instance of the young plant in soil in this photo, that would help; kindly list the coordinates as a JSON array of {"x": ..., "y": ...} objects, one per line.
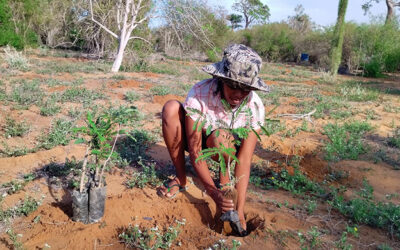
[
  {"x": 100, "y": 135},
  {"x": 209, "y": 154}
]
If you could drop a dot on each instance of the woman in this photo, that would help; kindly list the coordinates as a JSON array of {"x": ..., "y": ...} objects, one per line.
[{"x": 233, "y": 82}]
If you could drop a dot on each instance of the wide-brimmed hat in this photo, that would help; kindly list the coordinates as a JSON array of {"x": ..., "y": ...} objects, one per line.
[{"x": 241, "y": 64}]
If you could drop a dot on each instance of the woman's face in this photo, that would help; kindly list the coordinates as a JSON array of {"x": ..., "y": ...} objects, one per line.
[{"x": 234, "y": 95}]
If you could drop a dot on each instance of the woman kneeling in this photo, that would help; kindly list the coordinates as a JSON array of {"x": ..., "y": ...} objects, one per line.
[{"x": 221, "y": 105}]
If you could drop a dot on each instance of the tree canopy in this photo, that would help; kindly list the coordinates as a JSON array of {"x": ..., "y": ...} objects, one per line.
[
  {"x": 235, "y": 20},
  {"x": 254, "y": 11}
]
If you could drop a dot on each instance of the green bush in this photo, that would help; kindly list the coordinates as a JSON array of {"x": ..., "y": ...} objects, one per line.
[
  {"x": 273, "y": 41},
  {"x": 147, "y": 176},
  {"x": 27, "y": 93},
  {"x": 132, "y": 148},
  {"x": 14, "y": 128},
  {"x": 394, "y": 141},
  {"x": 345, "y": 140},
  {"x": 59, "y": 134},
  {"x": 363, "y": 210},
  {"x": 377, "y": 48},
  {"x": 20, "y": 33}
]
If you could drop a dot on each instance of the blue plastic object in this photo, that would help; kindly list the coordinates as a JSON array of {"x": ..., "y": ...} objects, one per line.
[{"x": 304, "y": 57}]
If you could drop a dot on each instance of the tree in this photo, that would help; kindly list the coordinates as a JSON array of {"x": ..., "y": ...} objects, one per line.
[
  {"x": 391, "y": 4},
  {"x": 235, "y": 20},
  {"x": 194, "y": 26},
  {"x": 337, "y": 41},
  {"x": 254, "y": 11},
  {"x": 129, "y": 14},
  {"x": 300, "y": 21}
]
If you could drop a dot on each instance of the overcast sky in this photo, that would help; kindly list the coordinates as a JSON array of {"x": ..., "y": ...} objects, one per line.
[{"x": 322, "y": 12}]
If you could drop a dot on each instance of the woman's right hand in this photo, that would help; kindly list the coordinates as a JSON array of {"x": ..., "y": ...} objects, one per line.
[{"x": 223, "y": 203}]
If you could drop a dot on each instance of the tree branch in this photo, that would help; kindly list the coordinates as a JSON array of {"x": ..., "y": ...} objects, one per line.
[
  {"x": 140, "y": 38},
  {"x": 101, "y": 25}
]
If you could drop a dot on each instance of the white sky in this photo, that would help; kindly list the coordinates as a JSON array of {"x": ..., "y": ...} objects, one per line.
[{"x": 322, "y": 12}]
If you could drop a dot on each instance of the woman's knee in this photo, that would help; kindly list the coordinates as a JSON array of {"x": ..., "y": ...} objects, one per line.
[{"x": 171, "y": 110}]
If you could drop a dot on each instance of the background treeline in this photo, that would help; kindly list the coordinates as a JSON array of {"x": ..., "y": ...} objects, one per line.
[{"x": 193, "y": 28}]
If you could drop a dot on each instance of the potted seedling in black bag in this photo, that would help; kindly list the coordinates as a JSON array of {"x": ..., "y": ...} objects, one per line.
[{"x": 100, "y": 135}]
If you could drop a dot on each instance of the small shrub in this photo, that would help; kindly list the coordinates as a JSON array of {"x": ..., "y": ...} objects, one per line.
[
  {"x": 124, "y": 114},
  {"x": 297, "y": 184},
  {"x": 24, "y": 208},
  {"x": 13, "y": 129},
  {"x": 75, "y": 113},
  {"x": 364, "y": 210},
  {"x": 15, "y": 59},
  {"x": 8, "y": 151},
  {"x": 50, "y": 107},
  {"x": 358, "y": 93},
  {"x": 132, "y": 96},
  {"x": 16, "y": 243},
  {"x": 132, "y": 148},
  {"x": 161, "y": 90},
  {"x": 345, "y": 140},
  {"x": 223, "y": 245},
  {"x": 14, "y": 186},
  {"x": 63, "y": 169},
  {"x": 118, "y": 77},
  {"x": 27, "y": 93},
  {"x": 394, "y": 141},
  {"x": 59, "y": 134},
  {"x": 323, "y": 105},
  {"x": 81, "y": 95},
  {"x": 153, "y": 238},
  {"x": 147, "y": 176}
]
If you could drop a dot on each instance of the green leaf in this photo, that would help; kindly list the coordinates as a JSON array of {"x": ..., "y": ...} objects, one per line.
[
  {"x": 209, "y": 128},
  {"x": 255, "y": 132},
  {"x": 80, "y": 141},
  {"x": 201, "y": 125}
]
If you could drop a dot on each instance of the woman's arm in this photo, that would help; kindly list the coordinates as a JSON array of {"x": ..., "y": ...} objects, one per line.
[
  {"x": 242, "y": 170},
  {"x": 194, "y": 141}
]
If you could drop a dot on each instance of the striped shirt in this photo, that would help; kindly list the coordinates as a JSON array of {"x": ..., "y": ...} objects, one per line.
[{"x": 210, "y": 107}]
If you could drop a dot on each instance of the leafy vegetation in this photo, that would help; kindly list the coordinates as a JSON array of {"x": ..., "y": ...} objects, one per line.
[
  {"x": 12, "y": 128},
  {"x": 146, "y": 176},
  {"x": 345, "y": 141},
  {"x": 394, "y": 141},
  {"x": 153, "y": 238},
  {"x": 16, "y": 185},
  {"x": 59, "y": 134},
  {"x": 15, "y": 59},
  {"x": 132, "y": 96},
  {"x": 80, "y": 95},
  {"x": 25, "y": 207},
  {"x": 132, "y": 148},
  {"x": 26, "y": 93}
]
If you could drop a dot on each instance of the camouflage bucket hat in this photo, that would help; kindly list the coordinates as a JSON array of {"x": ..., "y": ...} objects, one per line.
[{"x": 241, "y": 64}]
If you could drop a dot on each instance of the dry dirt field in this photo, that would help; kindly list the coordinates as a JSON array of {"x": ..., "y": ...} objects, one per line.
[{"x": 332, "y": 183}]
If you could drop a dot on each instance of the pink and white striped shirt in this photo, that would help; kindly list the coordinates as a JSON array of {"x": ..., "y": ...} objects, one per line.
[{"x": 202, "y": 98}]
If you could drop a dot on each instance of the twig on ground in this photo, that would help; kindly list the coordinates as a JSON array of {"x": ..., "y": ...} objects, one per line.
[{"x": 307, "y": 116}]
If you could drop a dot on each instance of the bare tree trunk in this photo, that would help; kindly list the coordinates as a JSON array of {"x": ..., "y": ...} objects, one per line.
[
  {"x": 390, "y": 6},
  {"x": 120, "y": 55},
  {"x": 127, "y": 15},
  {"x": 338, "y": 36}
]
